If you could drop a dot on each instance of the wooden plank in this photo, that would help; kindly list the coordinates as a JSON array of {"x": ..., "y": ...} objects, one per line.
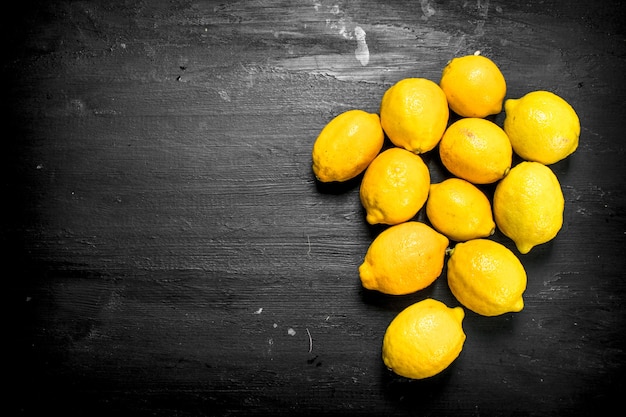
[{"x": 177, "y": 257}]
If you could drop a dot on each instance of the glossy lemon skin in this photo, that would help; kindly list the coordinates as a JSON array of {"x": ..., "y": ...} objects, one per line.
[
  {"x": 414, "y": 114},
  {"x": 346, "y": 146},
  {"x": 542, "y": 127},
  {"x": 486, "y": 277},
  {"x": 474, "y": 86},
  {"x": 528, "y": 205},
  {"x": 423, "y": 339},
  {"x": 403, "y": 259},
  {"x": 476, "y": 150},
  {"x": 459, "y": 210},
  {"x": 394, "y": 187}
]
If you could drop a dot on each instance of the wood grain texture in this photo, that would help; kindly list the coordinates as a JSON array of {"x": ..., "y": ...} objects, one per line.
[{"x": 169, "y": 252}]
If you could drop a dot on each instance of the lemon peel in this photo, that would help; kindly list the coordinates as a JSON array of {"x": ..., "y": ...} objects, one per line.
[
  {"x": 347, "y": 145},
  {"x": 414, "y": 114},
  {"x": 486, "y": 277},
  {"x": 403, "y": 259},
  {"x": 424, "y": 339},
  {"x": 528, "y": 205}
]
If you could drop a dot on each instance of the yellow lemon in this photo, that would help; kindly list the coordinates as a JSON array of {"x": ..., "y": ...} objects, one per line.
[
  {"x": 394, "y": 187},
  {"x": 486, "y": 277},
  {"x": 542, "y": 127},
  {"x": 403, "y": 259},
  {"x": 459, "y": 210},
  {"x": 476, "y": 150},
  {"x": 528, "y": 205},
  {"x": 347, "y": 145},
  {"x": 474, "y": 86},
  {"x": 414, "y": 114},
  {"x": 423, "y": 339}
]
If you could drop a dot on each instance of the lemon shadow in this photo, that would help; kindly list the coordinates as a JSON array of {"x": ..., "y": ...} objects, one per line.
[
  {"x": 491, "y": 330},
  {"x": 336, "y": 187},
  {"x": 417, "y": 395},
  {"x": 394, "y": 302}
]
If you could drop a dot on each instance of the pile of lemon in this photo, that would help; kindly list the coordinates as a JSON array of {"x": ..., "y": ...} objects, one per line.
[{"x": 408, "y": 255}]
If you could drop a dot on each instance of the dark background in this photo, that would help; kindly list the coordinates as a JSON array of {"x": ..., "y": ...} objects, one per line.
[{"x": 167, "y": 251}]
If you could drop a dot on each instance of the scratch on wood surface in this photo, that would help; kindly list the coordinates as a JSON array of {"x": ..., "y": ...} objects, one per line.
[
  {"x": 308, "y": 240},
  {"x": 310, "y": 340}
]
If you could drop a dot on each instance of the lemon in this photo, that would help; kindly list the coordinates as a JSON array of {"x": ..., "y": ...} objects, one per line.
[
  {"x": 347, "y": 145},
  {"x": 528, "y": 205},
  {"x": 459, "y": 210},
  {"x": 476, "y": 150},
  {"x": 414, "y": 114},
  {"x": 423, "y": 339},
  {"x": 403, "y": 259},
  {"x": 474, "y": 86},
  {"x": 486, "y": 277},
  {"x": 542, "y": 127},
  {"x": 394, "y": 187}
]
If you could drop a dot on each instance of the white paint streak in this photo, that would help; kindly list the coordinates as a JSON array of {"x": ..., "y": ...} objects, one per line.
[{"x": 362, "y": 52}]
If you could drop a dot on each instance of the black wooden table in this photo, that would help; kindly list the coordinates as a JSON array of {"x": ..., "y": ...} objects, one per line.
[{"x": 168, "y": 251}]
